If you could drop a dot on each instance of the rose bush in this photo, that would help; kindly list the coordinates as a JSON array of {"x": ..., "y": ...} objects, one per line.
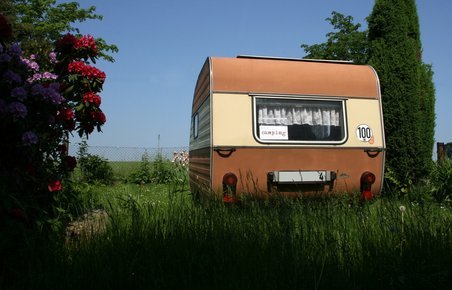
[{"x": 39, "y": 108}]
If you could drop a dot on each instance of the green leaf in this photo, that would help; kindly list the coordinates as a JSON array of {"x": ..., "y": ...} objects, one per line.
[{"x": 69, "y": 90}]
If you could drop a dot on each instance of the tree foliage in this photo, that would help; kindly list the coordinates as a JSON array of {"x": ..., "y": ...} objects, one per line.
[
  {"x": 39, "y": 23},
  {"x": 6, "y": 7},
  {"x": 392, "y": 46},
  {"x": 348, "y": 42},
  {"x": 427, "y": 117},
  {"x": 395, "y": 53}
]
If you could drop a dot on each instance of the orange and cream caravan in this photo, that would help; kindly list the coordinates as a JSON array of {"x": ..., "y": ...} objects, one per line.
[{"x": 263, "y": 125}]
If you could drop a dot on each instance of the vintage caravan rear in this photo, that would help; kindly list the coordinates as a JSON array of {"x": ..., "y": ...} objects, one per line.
[{"x": 270, "y": 125}]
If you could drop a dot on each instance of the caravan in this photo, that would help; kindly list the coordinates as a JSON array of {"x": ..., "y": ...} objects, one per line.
[{"x": 262, "y": 125}]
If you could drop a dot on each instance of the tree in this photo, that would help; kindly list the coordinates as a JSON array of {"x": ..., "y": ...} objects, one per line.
[
  {"x": 392, "y": 46},
  {"x": 395, "y": 53},
  {"x": 427, "y": 115},
  {"x": 39, "y": 23},
  {"x": 347, "y": 43},
  {"x": 6, "y": 6}
]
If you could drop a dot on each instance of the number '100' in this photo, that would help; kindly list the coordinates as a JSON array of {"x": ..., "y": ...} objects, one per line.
[{"x": 364, "y": 132}]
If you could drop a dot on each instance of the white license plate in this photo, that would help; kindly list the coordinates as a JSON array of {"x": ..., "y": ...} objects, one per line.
[{"x": 317, "y": 176}]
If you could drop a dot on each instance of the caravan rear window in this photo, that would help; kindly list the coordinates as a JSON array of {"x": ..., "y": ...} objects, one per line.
[{"x": 299, "y": 120}]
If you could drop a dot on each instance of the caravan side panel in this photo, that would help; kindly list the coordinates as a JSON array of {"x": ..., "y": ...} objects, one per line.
[
  {"x": 203, "y": 87},
  {"x": 200, "y": 131},
  {"x": 200, "y": 145}
]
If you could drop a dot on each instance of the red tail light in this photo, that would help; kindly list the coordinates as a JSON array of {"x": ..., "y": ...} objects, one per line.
[
  {"x": 229, "y": 187},
  {"x": 367, "y": 179},
  {"x": 230, "y": 179}
]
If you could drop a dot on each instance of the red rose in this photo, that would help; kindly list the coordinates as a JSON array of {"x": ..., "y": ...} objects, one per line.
[
  {"x": 100, "y": 117},
  {"x": 87, "y": 44},
  {"x": 55, "y": 185},
  {"x": 92, "y": 98},
  {"x": 5, "y": 28},
  {"x": 87, "y": 71},
  {"x": 66, "y": 43},
  {"x": 66, "y": 114},
  {"x": 71, "y": 162}
]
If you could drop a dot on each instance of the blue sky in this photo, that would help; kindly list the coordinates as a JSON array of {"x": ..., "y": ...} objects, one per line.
[{"x": 163, "y": 44}]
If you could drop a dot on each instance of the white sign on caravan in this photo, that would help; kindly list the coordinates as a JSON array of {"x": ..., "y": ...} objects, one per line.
[
  {"x": 364, "y": 133},
  {"x": 273, "y": 132}
]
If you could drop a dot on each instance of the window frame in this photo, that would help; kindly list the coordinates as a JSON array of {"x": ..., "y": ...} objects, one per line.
[
  {"x": 195, "y": 124},
  {"x": 341, "y": 100}
]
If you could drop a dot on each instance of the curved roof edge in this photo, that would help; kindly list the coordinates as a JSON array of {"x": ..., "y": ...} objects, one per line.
[
  {"x": 294, "y": 59},
  {"x": 286, "y": 76}
]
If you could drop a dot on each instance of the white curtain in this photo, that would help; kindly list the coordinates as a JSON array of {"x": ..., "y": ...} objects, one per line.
[{"x": 269, "y": 114}]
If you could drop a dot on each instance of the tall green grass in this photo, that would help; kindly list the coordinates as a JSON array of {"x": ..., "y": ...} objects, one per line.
[{"x": 156, "y": 238}]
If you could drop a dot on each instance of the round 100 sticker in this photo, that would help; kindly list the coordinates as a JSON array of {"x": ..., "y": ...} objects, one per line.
[{"x": 364, "y": 133}]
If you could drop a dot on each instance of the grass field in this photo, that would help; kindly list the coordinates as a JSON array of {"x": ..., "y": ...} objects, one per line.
[
  {"x": 154, "y": 237},
  {"x": 122, "y": 169}
]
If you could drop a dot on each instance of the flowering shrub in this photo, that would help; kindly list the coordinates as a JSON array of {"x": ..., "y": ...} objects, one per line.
[
  {"x": 180, "y": 158},
  {"x": 38, "y": 109},
  {"x": 181, "y": 161}
]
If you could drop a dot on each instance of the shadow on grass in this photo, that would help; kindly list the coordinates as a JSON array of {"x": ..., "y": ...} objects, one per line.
[{"x": 278, "y": 244}]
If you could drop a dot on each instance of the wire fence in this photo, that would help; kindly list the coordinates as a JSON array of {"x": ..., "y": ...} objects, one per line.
[{"x": 112, "y": 153}]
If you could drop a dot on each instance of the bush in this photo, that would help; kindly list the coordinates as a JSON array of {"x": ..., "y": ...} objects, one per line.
[
  {"x": 159, "y": 171},
  {"x": 162, "y": 171},
  {"x": 43, "y": 99},
  {"x": 441, "y": 181},
  {"x": 94, "y": 168},
  {"x": 142, "y": 174}
]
